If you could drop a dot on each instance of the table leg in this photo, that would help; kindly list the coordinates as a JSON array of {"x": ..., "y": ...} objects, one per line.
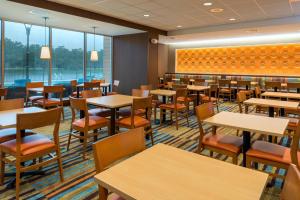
[
  {"x": 198, "y": 98},
  {"x": 77, "y": 92},
  {"x": 105, "y": 91},
  {"x": 113, "y": 121},
  {"x": 271, "y": 114},
  {"x": 298, "y": 90},
  {"x": 164, "y": 99},
  {"x": 275, "y": 89},
  {"x": 109, "y": 88},
  {"x": 81, "y": 115},
  {"x": 246, "y": 145}
]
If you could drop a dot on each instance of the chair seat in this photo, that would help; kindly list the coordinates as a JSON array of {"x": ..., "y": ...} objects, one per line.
[
  {"x": 93, "y": 121},
  {"x": 156, "y": 103},
  {"x": 225, "y": 142},
  {"x": 114, "y": 196},
  {"x": 189, "y": 99},
  {"x": 171, "y": 106},
  {"x": 35, "y": 98},
  {"x": 206, "y": 99},
  {"x": 29, "y": 145},
  {"x": 10, "y": 134},
  {"x": 225, "y": 90},
  {"x": 138, "y": 122},
  {"x": 247, "y": 91},
  {"x": 101, "y": 112},
  {"x": 48, "y": 102},
  {"x": 271, "y": 152}
]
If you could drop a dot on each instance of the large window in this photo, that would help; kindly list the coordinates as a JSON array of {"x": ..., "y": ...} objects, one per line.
[
  {"x": 67, "y": 56},
  {"x": 22, "y": 54}
]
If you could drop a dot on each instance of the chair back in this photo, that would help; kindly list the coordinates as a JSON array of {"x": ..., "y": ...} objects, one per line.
[
  {"x": 177, "y": 86},
  {"x": 146, "y": 87},
  {"x": 140, "y": 93},
  {"x": 183, "y": 93},
  {"x": 91, "y": 85},
  {"x": 144, "y": 103},
  {"x": 91, "y": 93},
  {"x": 257, "y": 92},
  {"x": 272, "y": 85},
  {"x": 185, "y": 81},
  {"x": 224, "y": 83},
  {"x": 3, "y": 93},
  {"x": 98, "y": 81},
  {"x": 77, "y": 105},
  {"x": 293, "y": 87},
  {"x": 243, "y": 84},
  {"x": 34, "y": 85},
  {"x": 213, "y": 91},
  {"x": 11, "y": 104},
  {"x": 73, "y": 83},
  {"x": 38, "y": 120},
  {"x": 295, "y": 146},
  {"x": 57, "y": 89},
  {"x": 199, "y": 81},
  {"x": 240, "y": 98},
  {"x": 291, "y": 187}
]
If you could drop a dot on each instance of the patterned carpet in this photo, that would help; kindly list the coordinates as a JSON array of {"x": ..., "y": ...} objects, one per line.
[{"x": 78, "y": 173}]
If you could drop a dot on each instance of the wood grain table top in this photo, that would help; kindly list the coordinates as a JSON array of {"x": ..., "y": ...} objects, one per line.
[
  {"x": 281, "y": 95},
  {"x": 159, "y": 92},
  {"x": 112, "y": 101},
  {"x": 272, "y": 103},
  {"x": 252, "y": 123},
  {"x": 8, "y": 117},
  {"x": 197, "y": 87},
  {"x": 163, "y": 172},
  {"x": 101, "y": 85}
]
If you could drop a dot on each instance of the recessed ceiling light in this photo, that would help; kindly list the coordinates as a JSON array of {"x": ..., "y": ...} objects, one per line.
[
  {"x": 179, "y": 26},
  {"x": 216, "y": 10},
  {"x": 207, "y": 4},
  {"x": 231, "y": 19},
  {"x": 146, "y": 15}
]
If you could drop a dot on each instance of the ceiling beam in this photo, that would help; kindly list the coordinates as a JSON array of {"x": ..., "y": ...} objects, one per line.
[{"x": 44, "y": 4}]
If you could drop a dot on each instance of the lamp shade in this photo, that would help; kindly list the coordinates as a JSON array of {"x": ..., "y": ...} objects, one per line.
[
  {"x": 45, "y": 53},
  {"x": 94, "y": 56}
]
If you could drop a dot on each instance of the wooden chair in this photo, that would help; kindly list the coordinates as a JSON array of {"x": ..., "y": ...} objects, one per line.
[
  {"x": 115, "y": 148},
  {"x": 225, "y": 89},
  {"x": 244, "y": 86},
  {"x": 98, "y": 81},
  {"x": 274, "y": 154},
  {"x": 114, "y": 88},
  {"x": 86, "y": 124},
  {"x": 136, "y": 120},
  {"x": 34, "y": 98},
  {"x": 293, "y": 87},
  {"x": 212, "y": 96},
  {"x": 33, "y": 146},
  {"x": 199, "y": 81},
  {"x": 10, "y": 133},
  {"x": 176, "y": 107},
  {"x": 3, "y": 93},
  {"x": 101, "y": 112},
  {"x": 155, "y": 101},
  {"x": 224, "y": 144},
  {"x": 74, "y": 84},
  {"x": 185, "y": 81},
  {"x": 91, "y": 86},
  {"x": 291, "y": 187},
  {"x": 272, "y": 86},
  {"x": 48, "y": 102}
]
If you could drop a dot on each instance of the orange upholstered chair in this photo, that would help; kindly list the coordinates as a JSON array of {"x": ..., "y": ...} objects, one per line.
[
  {"x": 224, "y": 144},
  {"x": 212, "y": 96},
  {"x": 115, "y": 148},
  {"x": 91, "y": 85},
  {"x": 33, "y": 146},
  {"x": 86, "y": 124},
  {"x": 291, "y": 187},
  {"x": 225, "y": 89},
  {"x": 102, "y": 112},
  {"x": 33, "y": 98},
  {"x": 245, "y": 86}
]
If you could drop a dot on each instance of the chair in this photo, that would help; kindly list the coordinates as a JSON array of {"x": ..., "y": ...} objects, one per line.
[
  {"x": 155, "y": 101},
  {"x": 84, "y": 125},
  {"x": 98, "y": 81},
  {"x": 136, "y": 120},
  {"x": 272, "y": 86},
  {"x": 34, "y": 98},
  {"x": 114, "y": 88},
  {"x": 176, "y": 107},
  {"x": 3, "y": 93},
  {"x": 225, "y": 89},
  {"x": 115, "y": 148},
  {"x": 293, "y": 87},
  {"x": 101, "y": 112},
  {"x": 91, "y": 86},
  {"x": 48, "y": 102},
  {"x": 33, "y": 146},
  {"x": 74, "y": 84},
  {"x": 291, "y": 187},
  {"x": 274, "y": 154},
  {"x": 212, "y": 96},
  {"x": 199, "y": 81},
  {"x": 185, "y": 81},
  {"x": 244, "y": 86},
  {"x": 10, "y": 133},
  {"x": 224, "y": 144}
]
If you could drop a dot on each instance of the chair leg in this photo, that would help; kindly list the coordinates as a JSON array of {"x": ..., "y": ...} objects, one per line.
[
  {"x": 84, "y": 146},
  {"x": 40, "y": 160},
  {"x": 18, "y": 179},
  {"x": 154, "y": 114},
  {"x": 160, "y": 117},
  {"x": 60, "y": 167},
  {"x": 2, "y": 168},
  {"x": 237, "y": 132},
  {"x": 187, "y": 119},
  {"x": 234, "y": 160},
  {"x": 95, "y": 137},
  {"x": 248, "y": 162},
  {"x": 69, "y": 139},
  {"x": 176, "y": 118},
  {"x": 63, "y": 112}
]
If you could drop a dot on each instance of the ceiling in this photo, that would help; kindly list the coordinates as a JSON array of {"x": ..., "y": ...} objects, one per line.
[
  {"x": 168, "y": 14},
  {"x": 28, "y": 14}
]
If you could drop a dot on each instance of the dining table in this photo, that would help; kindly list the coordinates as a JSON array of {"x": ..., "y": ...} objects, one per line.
[
  {"x": 105, "y": 86},
  {"x": 163, "y": 172},
  {"x": 198, "y": 89}
]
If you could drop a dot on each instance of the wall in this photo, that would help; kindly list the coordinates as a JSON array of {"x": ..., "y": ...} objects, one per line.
[
  {"x": 130, "y": 61},
  {"x": 163, "y": 59}
]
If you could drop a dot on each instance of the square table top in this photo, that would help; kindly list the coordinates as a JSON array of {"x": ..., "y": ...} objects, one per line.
[
  {"x": 272, "y": 103},
  {"x": 112, "y": 101},
  {"x": 160, "y": 92},
  {"x": 163, "y": 172},
  {"x": 197, "y": 87},
  {"x": 252, "y": 123},
  {"x": 252, "y": 82},
  {"x": 287, "y": 95},
  {"x": 101, "y": 85},
  {"x": 8, "y": 117}
]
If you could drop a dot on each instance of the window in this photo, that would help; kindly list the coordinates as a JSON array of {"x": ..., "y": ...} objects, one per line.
[
  {"x": 23, "y": 44},
  {"x": 67, "y": 56}
]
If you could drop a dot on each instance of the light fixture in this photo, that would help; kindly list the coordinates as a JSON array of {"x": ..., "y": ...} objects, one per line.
[
  {"x": 216, "y": 10},
  {"x": 231, "y": 19},
  {"x": 45, "y": 51},
  {"x": 146, "y": 15},
  {"x": 179, "y": 26},
  {"x": 94, "y": 53},
  {"x": 207, "y": 4}
]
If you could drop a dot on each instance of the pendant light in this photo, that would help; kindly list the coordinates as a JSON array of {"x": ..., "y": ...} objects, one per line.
[
  {"x": 94, "y": 53},
  {"x": 45, "y": 51}
]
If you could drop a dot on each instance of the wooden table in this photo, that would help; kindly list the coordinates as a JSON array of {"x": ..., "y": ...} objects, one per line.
[
  {"x": 8, "y": 117},
  {"x": 198, "y": 89},
  {"x": 249, "y": 123},
  {"x": 113, "y": 102},
  {"x": 105, "y": 86},
  {"x": 286, "y": 95},
  {"x": 163, "y": 172},
  {"x": 164, "y": 94}
]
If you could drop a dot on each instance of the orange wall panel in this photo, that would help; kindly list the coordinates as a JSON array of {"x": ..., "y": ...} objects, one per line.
[{"x": 281, "y": 59}]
